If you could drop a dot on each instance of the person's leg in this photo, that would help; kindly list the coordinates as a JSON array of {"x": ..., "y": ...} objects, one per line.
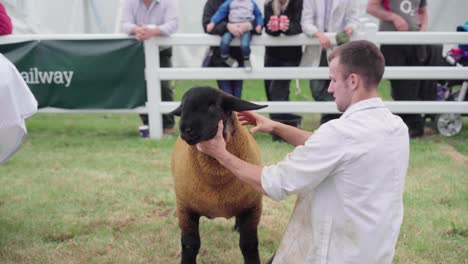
[
  {"x": 404, "y": 90},
  {"x": 245, "y": 44},
  {"x": 166, "y": 91},
  {"x": 267, "y": 62},
  {"x": 319, "y": 91},
  {"x": 225, "y": 86},
  {"x": 224, "y": 46},
  {"x": 237, "y": 88}
]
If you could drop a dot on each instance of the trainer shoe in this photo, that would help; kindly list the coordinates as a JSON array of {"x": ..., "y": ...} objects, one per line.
[{"x": 231, "y": 62}]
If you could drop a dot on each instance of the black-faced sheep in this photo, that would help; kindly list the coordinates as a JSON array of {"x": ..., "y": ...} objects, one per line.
[{"x": 203, "y": 187}]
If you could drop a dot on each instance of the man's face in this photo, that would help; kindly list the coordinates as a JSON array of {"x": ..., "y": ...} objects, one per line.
[{"x": 339, "y": 87}]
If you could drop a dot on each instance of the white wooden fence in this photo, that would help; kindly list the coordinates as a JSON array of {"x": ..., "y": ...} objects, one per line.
[{"x": 154, "y": 74}]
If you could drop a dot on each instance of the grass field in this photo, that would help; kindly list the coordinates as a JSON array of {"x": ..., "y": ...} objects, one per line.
[{"x": 88, "y": 189}]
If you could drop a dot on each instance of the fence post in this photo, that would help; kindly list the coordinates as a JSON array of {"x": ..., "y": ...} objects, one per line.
[
  {"x": 370, "y": 31},
  {"x": 153, "y": 88}
]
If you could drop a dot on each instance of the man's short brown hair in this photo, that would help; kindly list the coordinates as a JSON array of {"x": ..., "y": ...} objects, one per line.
[{"x": 361, "y": 57}]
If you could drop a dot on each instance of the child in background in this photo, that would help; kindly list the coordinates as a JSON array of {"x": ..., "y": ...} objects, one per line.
[{"x": 238, "y": 11}]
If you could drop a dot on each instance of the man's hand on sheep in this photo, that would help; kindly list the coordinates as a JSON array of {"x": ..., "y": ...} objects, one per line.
[
  {"x": 260, "y": 123},
  {"x": 216, "y": 146}
]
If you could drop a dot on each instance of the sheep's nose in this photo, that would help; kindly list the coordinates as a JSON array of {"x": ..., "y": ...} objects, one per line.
[{"x": 188, "y": 130}]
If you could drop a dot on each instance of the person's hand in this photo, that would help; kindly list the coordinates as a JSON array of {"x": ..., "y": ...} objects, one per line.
[
  {"x": 348, "y": 30},
  {"x": 258, "y": 28},
  {"x": 215, "y": 146},
  {"x": 143, "y": 32},
  {"x": 245, "y": 26},
  {"x": 234, "y": 29},
  {"x": 324, "y": 41},
  {"x": 400, "y": 23},
  {"x": 260, "y": 123},
  {"x": 284, "y": 23},
  {"x": 210, "y": 27}
]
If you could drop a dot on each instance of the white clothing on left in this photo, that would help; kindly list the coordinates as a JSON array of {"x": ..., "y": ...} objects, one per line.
[
  {"x": 342, "y": 13},
  {"x": 349, "y": 177},
  {"x": 16, "y": 104}
]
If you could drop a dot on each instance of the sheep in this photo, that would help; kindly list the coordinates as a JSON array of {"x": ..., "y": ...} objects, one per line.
[{"x": 203, "y": 187}]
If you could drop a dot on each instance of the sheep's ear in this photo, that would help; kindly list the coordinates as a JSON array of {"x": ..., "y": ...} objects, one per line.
[
  {"x": 177, "y": 111},
  {"x": 231, "y": 103}
]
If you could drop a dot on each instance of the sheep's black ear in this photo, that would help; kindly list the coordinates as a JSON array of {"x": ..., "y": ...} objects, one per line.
[
  {"x": 177, "y": 111},
  {"x": 231, "y": 103}
]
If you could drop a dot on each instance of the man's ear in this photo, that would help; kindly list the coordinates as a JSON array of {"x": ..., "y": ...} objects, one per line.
[{"x": 354, "y": 81}]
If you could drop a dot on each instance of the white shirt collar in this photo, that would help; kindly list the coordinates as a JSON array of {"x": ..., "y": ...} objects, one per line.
[{"x": 364, "y": 104}]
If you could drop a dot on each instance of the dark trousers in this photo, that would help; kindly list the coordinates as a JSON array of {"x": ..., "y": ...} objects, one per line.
[
  {"x": 278, "y": 90},
  {"x": 166, "y": 92},
  {"x": 318, "y": 89},
  {"x": 413, "y": 90},
  {"x": 232, "y": 87}
]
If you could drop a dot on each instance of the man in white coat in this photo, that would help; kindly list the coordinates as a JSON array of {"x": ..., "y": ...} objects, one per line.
[
  {"x": 349, "y": 174},
  {"x": 16, "y": 104},
  {"x": 318, "y": 17}
]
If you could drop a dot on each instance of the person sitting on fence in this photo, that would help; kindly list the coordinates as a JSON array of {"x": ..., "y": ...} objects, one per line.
[
  {"x": 152, "y": 18},
  {"x": 318, "y": 17},
  {"x": 408, "y": 16},
  {"x": 282, "y": 17},
  {"x": 237, "y": 11},
  {"x": 349, "y": 207},
  {"x": 6, "y": 27}
]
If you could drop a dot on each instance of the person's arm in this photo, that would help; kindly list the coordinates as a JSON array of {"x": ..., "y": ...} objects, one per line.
[
  {"x": 352, "y": 18},
  {"x": 258, "y": 15},
  {"x": 127, "y": 19},
  {"x": 221, "y": 13},
  {"x": 208, "y": 11},
  {"x": 423, "y": 14},
  {"x": 246, "y": 172},
  {"x": 292, "y": 135},
  {"x": 295, "y": 21},
  {"x": 268, "y": 13},
  {"x": 375, "y": 8},
  {"x": 307, "y": 19},
  {"x": 171, "y": 21},
  {"x": 6, "y": 26}
]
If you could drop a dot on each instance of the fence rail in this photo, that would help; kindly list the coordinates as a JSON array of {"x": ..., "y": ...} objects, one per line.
[{"x": 154, "y": 74}]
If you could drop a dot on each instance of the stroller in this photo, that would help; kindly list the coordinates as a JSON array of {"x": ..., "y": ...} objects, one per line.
[{"x": 451, "y": 124}]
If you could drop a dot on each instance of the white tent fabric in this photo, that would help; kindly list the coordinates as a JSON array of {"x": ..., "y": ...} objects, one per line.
[
  {"x": 101, "y": 16},
  {"x": 16, "y": 104}
]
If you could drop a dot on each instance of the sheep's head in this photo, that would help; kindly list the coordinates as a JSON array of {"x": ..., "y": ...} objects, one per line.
[{"x": 201, "y": 109}]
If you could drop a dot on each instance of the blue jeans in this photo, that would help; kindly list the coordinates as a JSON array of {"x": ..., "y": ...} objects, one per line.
[
  {"x": 232, "y": 87},
  {"x": 226, "y": 40}
]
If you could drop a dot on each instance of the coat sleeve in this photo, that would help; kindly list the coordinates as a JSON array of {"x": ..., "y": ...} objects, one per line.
[
  {"x": 127, "y": 21},
  {"x": 352, "y": 16},
  {"x": 295, "y": 21},
  {"x": 258, "y": 15},
  {"x": 171, "y": 20},
  {"x": 268, "y": 13},
  {"x": 209, "y": 10},
  {"x": 221, "y": 13},
  {"x": 307, "y": 20}
]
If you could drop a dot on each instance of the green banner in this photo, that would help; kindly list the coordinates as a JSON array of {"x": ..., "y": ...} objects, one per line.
[{"x": 82, "y": 74}]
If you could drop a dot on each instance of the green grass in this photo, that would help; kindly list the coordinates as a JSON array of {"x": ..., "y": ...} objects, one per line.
[{"x": 88, "y": 189}]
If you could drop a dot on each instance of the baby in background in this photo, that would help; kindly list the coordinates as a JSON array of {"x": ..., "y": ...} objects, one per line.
[{"x": 241, "y": 13}]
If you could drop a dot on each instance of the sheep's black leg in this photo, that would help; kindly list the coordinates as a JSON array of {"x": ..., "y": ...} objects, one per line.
[
  {"x": 248, "y": 242},
  {"x": 236, "y": 225},
  {"x": 190, "y": 240}
]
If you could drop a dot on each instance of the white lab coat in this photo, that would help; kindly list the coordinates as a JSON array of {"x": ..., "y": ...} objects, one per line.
[
  {"x": 349, "y": 177},
  {"x": 343, "y": 13},
  {"x": 16, "y": 103}
]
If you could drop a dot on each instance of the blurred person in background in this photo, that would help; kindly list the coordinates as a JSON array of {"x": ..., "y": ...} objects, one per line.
[{"x": 145, "y": 19}]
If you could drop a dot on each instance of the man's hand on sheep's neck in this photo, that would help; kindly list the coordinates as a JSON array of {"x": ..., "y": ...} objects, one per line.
[{"x": 246, "y": 172}]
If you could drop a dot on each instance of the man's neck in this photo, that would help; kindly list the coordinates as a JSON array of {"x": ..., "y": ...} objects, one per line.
[{"x": 364, "y": 94}]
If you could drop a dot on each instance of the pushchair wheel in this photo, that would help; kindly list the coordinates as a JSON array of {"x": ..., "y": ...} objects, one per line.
[{"x": 449, "y": 124}]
